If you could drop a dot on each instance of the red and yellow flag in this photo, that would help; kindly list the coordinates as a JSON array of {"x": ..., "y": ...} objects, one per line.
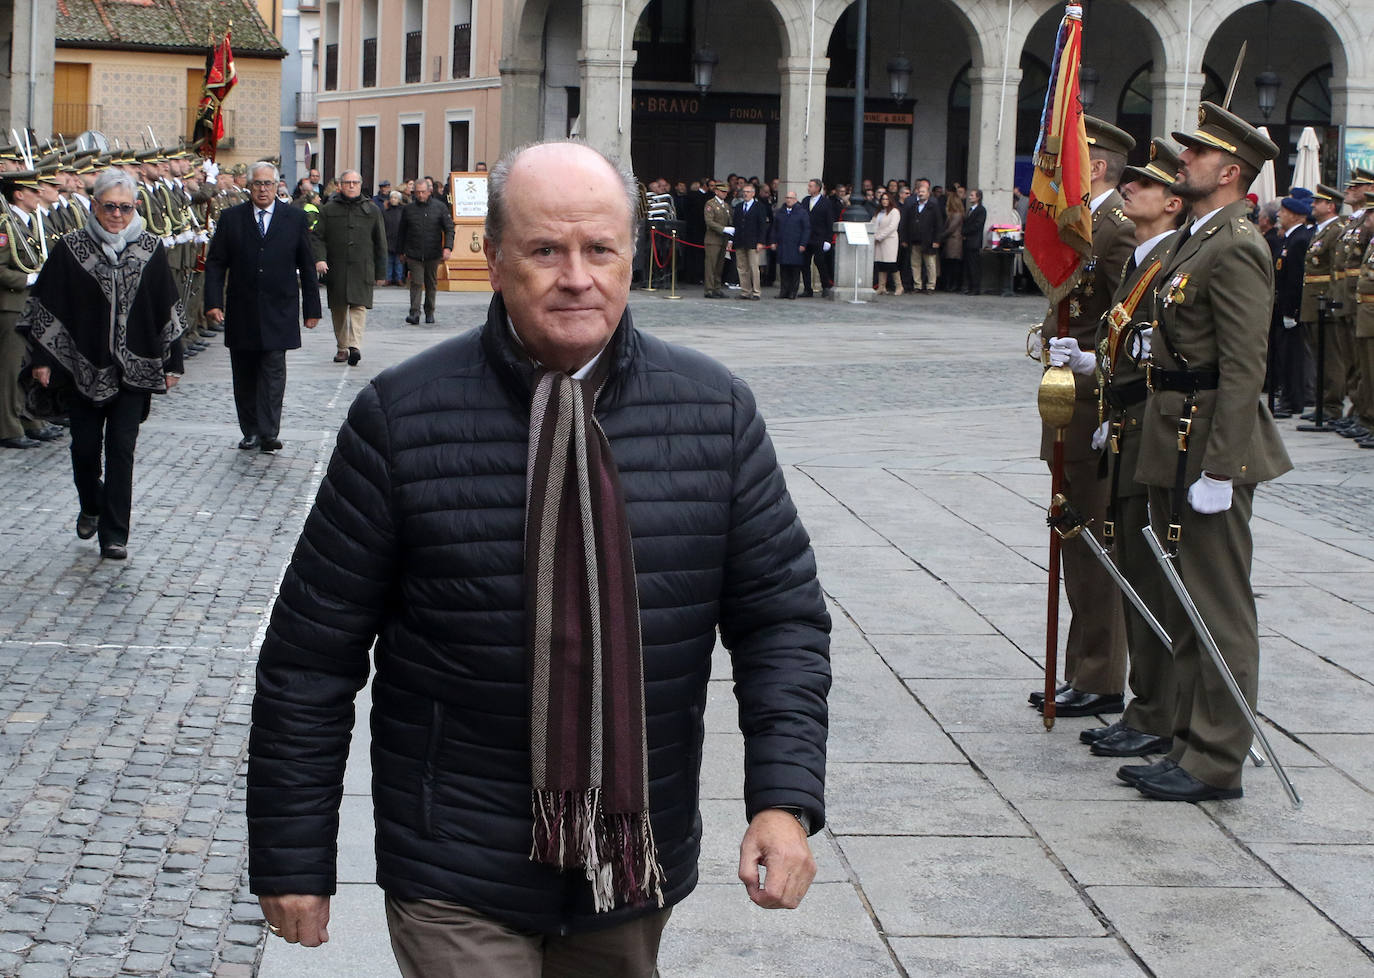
[
  {"x": 1059, "y": 226},
  {"x": 220, "y": 78}
]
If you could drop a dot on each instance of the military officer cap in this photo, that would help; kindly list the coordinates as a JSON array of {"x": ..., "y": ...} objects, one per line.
[
  {"x": 1329, "y": 193},
  {"x": 240, "y": 170},
  {"x": 18, "y": 178},
  {"x": 1369, "y": 196},
  {"x": 1226, "y": 131},
  {"x": 151, "y": 155},
  {"x": 1162, "y": 168},
  {"x": 48, "y": 174},
  {"x": 1359, "y": 177},
  {"x": 1107, "y": 137}
]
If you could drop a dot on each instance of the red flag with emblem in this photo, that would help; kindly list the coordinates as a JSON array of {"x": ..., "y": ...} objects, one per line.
[
  {"x": 220, "y": 77},
  {"x": 1059, "y": 228}
]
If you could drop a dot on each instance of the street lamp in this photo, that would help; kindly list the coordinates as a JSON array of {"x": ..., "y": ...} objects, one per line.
[
  {"x": 1087, "y": 86},
  {"x": 899, "y": 77},
  {"x": 1267, "y": 91},
  {"x": 704, "y": 67}
]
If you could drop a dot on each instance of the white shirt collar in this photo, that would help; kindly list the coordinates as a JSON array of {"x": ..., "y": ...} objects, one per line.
[
  {"x": 581, "y": 373},
  {"x": 1292, "y": 229},
  {"x": 269, "y": 208},
  {"x": 1097, "y": 201},
  {"x": 1197, "y": 225},
  {"x": 1323, "y": 224},
  {"x": 1145, "y": 247}
]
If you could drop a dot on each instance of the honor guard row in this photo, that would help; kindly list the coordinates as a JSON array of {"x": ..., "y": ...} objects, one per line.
[
  {"x": 1172, "y": 440},
  {"x": 179, "y": 199}
]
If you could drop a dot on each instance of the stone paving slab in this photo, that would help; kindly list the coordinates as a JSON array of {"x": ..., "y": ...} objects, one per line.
[{"x": 999, "y": 957}]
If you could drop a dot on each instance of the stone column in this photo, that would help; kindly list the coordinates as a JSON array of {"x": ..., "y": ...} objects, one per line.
[
  {"x": 606, "y": 100},
  {"x": 1175, "y": 108},
  {"x": 802, "y": 150},
  {"x": 1352, "y": 103},
  {"x": 992, "y": 162},
  {"x": 17, "y": 20},
  {"x": 521, "y": 80}
]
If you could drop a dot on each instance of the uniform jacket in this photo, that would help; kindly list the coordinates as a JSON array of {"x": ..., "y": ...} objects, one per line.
[
  {"x": 1319, "y": 269},
  {"x": 1288, "y": 272},
  {"x": 1113, "y": 245},
  {"x": 416, "y": 540},
  {"x": 1127, "y": 374},
  {"x": 262, "y": 283},
  {"x": 751, "y": 229},
  {"x": 1212, "y": 312},
  {"x": 1350, "y": 253},
  {"x": 924, "y": 226},
  {"x": 1364, "y": 287},
  {"x": 791, "y": 231},
  {"x": 426, "y": 230},
  {"x": 19, "y": 254},
  {"x": 718, "y": 216},
  {"x": 350, "y": 236}
]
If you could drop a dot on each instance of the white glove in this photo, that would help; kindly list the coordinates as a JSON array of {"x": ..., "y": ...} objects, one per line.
[
  {"x": 728, "y": 230},
  {"x": 211, "y": 170},
  {"x": 1289, "y": 322},
  {"x": 1064, "y": 350},
  {"x": 184, "y": 237},
  {"x": 1208, "y": 495},
  {"x": 1140, "y": 349},
  {"x": 825, "y": 246},
  {"x": 1100, "y": 436},
  {"x": 33, "y": 277},
  {"x": 202, "y": 238},
  {"x": 168, "y": 241}
]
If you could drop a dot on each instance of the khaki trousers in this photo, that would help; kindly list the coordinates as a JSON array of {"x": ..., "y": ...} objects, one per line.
[
  {"x": 1154, "y": 689},
  {"x": 748, "y": 261},
  {"x": 715, "y": 265},
  {"x": 1364, "y": 393},
  {"x": 349, "y": 322},
  {"x": 1340, "y": 353},
  {"x": 1095, "y": 652},
  {"x": 927, "y": 258},
  {"x": 12, "y": 349},
  {"x": 435, "y": 939},
  {"x": 1211, "y": 734}
]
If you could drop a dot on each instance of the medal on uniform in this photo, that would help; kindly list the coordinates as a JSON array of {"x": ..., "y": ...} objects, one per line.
[
  {"x": 1075, "y": 309},
  {"x": 1176, "y": 288}
]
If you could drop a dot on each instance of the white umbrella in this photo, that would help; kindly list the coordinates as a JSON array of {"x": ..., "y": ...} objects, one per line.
[
  {"x": 1307, "y": 172},
  {"x": 1265, "y": 186}
]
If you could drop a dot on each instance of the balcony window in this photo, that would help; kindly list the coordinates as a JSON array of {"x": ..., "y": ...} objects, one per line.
[
  {"x": 370, "y": 62},
  {"x": 414, "y": 45},
  {"x": 462, "y": 50},
  {"x": 331, "y": 67}
]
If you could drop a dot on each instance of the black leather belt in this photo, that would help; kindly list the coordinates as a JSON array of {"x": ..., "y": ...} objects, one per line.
[
  {"x": 1187, "y": 381},
  {"x": 1122, "y": 396}
]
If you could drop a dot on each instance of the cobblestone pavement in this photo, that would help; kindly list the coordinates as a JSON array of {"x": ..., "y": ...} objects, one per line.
[{"x": 126, "y": 687}]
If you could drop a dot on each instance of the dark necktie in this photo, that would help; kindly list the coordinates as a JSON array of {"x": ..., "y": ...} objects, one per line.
[
  {"x": 1130, "y": 266},
  {"x": 262, "y": 225}
]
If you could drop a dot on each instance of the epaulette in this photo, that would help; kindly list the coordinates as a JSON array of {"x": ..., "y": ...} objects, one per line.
[
  {"x": 1243, "y": 225},
  {"x": 1119, "y": 214}
]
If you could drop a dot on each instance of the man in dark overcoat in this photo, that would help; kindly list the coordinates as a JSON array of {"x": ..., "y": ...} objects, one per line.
[
  {"x": 350, "y": 245},
  {"x": 262, "y": 248},
  {"x": 790, "y": 232}
]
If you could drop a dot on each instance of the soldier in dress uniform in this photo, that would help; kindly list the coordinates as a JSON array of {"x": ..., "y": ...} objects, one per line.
[
  {"x": 1095, "y": 653},
  {"x": 1123, "y": 344},
  {"x": 718, "y": 217},
  {"x": 1363, "y": 293},
  {"x": 21, "y": 257},
  {"x": 1354, "y": 241},
  {"x": 1318, "y": 278},
  {"x": 1207, "y": 439}
]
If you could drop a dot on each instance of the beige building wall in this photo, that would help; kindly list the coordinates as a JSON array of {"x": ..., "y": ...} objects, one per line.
[
  {"x": 136, "y": 89},
  {"x": 432, "y": 103}
]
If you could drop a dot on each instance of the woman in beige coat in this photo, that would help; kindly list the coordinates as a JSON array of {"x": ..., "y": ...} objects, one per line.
[
  {"x": 884, "y": 226},
  {"x": 952, "y": 246}
]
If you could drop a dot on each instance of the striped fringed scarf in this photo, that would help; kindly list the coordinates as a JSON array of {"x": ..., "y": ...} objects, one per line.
[{"x": 588, "y": 751}]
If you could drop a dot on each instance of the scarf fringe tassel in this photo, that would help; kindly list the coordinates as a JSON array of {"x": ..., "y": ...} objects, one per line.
[{"x": 615, "y": 851}]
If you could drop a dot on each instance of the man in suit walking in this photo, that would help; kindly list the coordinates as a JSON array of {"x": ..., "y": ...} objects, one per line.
[
  {"x": 1207, "y": 364},
  {"x": 263, "y": 248},
  {"x": 975, "y": 222},
  {"x": 751, "y": 237},
  {"x": 821, "y": 213}
]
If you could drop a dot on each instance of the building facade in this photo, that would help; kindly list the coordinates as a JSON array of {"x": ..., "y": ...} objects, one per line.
[
  {"x": 780, "y": 101},
  {"x": 123, "y": 69},
  {"x": 300, "y": 36},
  {"x": 408, "y": 88}
]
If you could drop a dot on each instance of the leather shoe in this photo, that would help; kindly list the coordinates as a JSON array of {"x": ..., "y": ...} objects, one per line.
[
  {"x": 355, "y": 356},
  {"x": 1037, "y": 698},
  {"x": 49, "y": 432},
  {"x": 1280, "y": 414},
  {"x": 23, "y": 441},
  {"x": 269, "y": 446},
  {"x": 341, "y": 356},
  {"x": 1177, "y": 784},
  {"x": 86, "y": 524},
  {"x": 1076, "y": 703},
  {"x": 114, "y": 551},
  {"x": 429, "y": 319},
  {"x": 1355, "y": 431},
  {"x": 413, "y": 320},
  {"x": 249, "y": 443},
  {"x": 1133, "y": 774},
  {"x": 1365, "y": 442},
  {"x": 1129, "y": 742},
  {"x": 1093, "y": 734}
]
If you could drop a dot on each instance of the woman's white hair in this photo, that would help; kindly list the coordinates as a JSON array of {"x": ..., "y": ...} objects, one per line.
[{"x": 111, "y": 178}]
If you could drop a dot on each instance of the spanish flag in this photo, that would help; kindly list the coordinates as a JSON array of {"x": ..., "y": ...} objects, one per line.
[{"x": 1059, "y": 226}]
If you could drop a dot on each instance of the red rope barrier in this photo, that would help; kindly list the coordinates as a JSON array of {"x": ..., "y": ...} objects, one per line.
[{"x": 669, "y": 237}]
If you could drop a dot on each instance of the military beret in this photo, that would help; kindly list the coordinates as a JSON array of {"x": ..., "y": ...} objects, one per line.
[
  {"x": 1297, "y": 205},
  {"x": 1105, "y": 136},
  {"x": 1162, "y": 168},
  {"x": 1301, "y": 193},
  {"x": 1219, "y": 129}
]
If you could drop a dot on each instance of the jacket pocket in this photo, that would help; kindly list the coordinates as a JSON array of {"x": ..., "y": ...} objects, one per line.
[{"x": 432, "y": 741}]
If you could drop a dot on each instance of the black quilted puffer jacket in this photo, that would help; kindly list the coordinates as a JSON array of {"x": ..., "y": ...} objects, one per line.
[{"x": 416, "y": 541}]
